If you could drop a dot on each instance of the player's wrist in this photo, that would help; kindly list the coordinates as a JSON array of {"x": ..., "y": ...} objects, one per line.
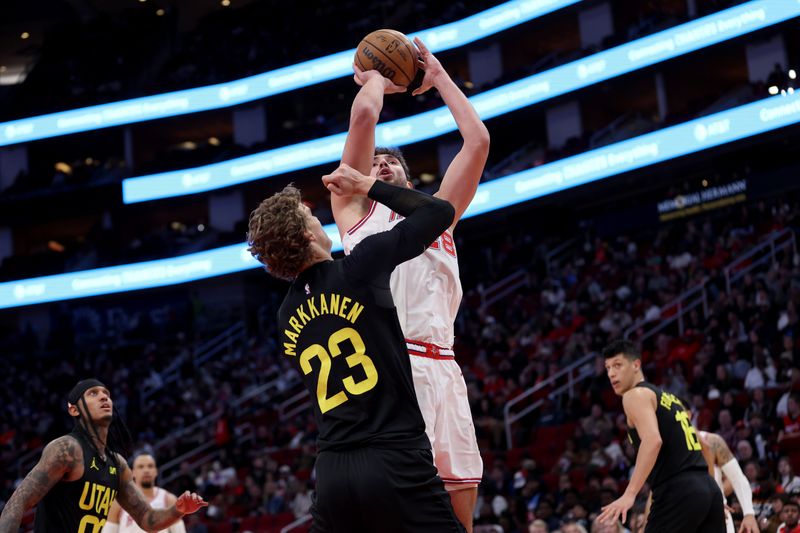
[{"x": 440, "y": 77}]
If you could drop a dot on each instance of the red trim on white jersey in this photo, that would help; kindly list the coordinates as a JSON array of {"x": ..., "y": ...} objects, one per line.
[
  {"x": 363, "y": 219},
  {"x": 426, "y": 349},
  {"x": 462, "y": 480}
]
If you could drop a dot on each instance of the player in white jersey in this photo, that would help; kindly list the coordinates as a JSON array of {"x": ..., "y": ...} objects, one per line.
[
  {"x": 717, "y": 453},
  {"x": 427, "y": 289},
  {"x": 144, "y": 475}
]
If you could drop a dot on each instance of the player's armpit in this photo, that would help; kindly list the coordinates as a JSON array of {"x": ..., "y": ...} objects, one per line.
[{"x": 58, "y": 459}]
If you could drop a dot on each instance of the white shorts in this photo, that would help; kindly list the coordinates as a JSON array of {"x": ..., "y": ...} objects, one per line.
[{"x": 442, "y": 396}]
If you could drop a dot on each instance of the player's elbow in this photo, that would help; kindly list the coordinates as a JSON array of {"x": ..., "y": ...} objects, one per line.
[
  {"x": 656, "y": 442},
  {"x": 478, "y": 140}
]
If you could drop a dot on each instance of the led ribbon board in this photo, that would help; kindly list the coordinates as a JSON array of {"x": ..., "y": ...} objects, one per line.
[
  {"x": 623, "y": 59},
  {"x": 693, "y": 136},
  {"x": 286, "y": 79}
]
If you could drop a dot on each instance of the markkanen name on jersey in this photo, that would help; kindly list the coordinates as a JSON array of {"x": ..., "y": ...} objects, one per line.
[{"x": 330, "y": 304}]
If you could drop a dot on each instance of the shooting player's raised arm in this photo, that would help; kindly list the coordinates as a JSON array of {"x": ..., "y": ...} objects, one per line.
[{"x": 359, "y": 146}]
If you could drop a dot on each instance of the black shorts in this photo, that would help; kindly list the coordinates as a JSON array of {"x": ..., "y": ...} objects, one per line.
[
  {"x": 382, "y": 491},
  {"x": 689, "y": 502}
]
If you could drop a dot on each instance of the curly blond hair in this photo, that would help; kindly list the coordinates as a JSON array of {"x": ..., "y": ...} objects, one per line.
[{"x": 277, "y": 234}]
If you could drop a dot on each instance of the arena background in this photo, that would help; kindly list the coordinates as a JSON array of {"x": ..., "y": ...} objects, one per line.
[{"x": 642, "y": 183}]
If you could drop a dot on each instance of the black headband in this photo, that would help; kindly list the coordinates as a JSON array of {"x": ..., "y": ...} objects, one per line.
[{"x": 81, "y": 387}]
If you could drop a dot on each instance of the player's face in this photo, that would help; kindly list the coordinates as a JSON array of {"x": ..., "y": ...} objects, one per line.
[
  {"x": 144, "y": 471},
  {"x": 387, "y": 168},
  {"x": 621, "y": 373},
  {"x": 98, "y": 401},
  {"x": 315, "y": 228}
]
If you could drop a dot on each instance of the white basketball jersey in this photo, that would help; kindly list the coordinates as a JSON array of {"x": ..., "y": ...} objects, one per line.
[
  {"x": 128, "y": 525},
  {"x": 426, "y": 289}
]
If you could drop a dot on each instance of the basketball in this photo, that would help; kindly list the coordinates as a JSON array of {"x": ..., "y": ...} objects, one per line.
[{"x": 389, "y": 52}]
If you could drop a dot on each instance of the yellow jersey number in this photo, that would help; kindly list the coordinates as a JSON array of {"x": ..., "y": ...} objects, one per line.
[
  {"x": 688, "y": 430},
  {"x": 359, "y": 358},
  {"x": 91, "y": 524}
]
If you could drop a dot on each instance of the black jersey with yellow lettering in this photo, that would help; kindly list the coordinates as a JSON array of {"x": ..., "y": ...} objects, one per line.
[
  {"x": 80, "y": 506},
  {"x": 680, "y": 448},
  {"x": 338, "y": 324}
]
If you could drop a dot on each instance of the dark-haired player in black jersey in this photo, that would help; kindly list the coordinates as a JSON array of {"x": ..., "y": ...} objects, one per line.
[
  {"x": 668, "y": 453},
  {"x": 338, "y": 324},
  {"x": 80, "y": 475}
]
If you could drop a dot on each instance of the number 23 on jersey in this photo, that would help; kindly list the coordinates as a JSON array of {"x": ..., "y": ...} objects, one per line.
[{"x": 326, "y": 356}]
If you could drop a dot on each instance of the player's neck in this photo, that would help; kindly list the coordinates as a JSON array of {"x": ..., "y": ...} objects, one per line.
[
  {"x": 149, "y": 492},
  {"x": 318, "y": 255},
  {"x": 100, "y": 440}
]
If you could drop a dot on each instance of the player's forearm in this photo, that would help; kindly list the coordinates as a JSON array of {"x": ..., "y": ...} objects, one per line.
[
  {"x": 367, "y": 104},
  {"x": 427, "y": 217},
  {"x": 470, "y": 126},
  {"x": 27, "y": 495},
  {"x": 157, "y": 519},
  {"x": 741, "y": 486},
  {"x": 10, "y": 520},
  {"x": 12, "y": 515},
  {"x": 435, "y": 214},
  {"x": 645, "y": 461}
]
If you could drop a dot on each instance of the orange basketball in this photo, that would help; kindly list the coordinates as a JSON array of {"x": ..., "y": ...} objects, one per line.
[{"x": 389, "y": 52}]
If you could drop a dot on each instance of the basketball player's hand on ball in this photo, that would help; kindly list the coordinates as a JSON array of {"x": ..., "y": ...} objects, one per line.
[
  {"x": 361, "y": 78},
  {"x": 433, "y": 69},
  {"x": 347, "y": 181},
  {"x": 617, "y": 509},
  {"x": 189, "y": 502}
]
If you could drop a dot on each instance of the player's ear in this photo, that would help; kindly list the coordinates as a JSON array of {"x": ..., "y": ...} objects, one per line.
[
  {"x": 72, "y": 410},
  {"x": 409, "y": 184}
]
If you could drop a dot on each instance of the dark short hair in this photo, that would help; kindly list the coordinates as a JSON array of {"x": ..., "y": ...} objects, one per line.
[
  {"x": 142, "y": 454},
  {"x": 791, "y": 502},
  {"x": 397, "y": 154},
  {"x": 624, "y": 347},
  {"x": 276, "y": 234}
]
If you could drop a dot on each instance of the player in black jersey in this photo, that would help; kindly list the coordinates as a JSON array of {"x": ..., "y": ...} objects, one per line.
[
  {"x": 685, "y": 498},
  {"x": 338, "y": 324},
  {"x": 80, "y": 475}
]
